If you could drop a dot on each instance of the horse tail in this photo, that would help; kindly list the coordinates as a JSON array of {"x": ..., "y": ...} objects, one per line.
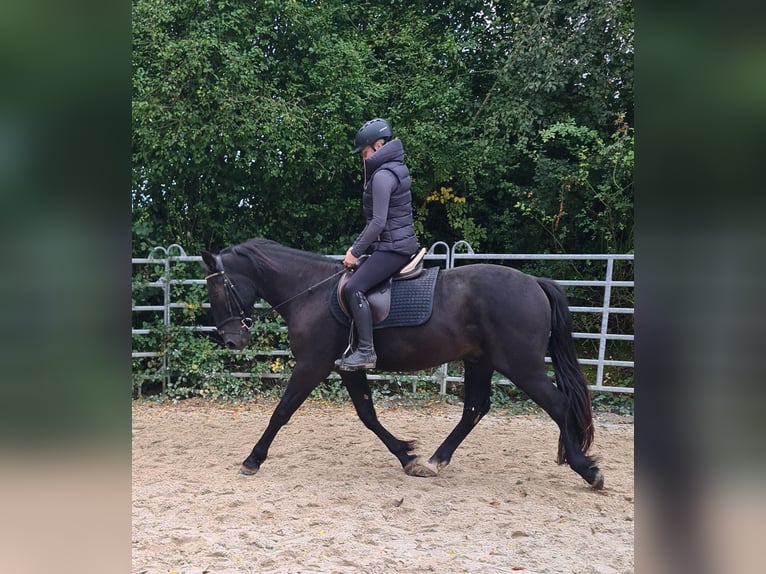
[{"x": 570, "y": 379}]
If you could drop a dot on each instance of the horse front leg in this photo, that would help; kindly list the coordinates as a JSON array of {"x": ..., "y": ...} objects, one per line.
[
  {"x": 359, "y": 390},
  {"x": 302, "y": 381}
]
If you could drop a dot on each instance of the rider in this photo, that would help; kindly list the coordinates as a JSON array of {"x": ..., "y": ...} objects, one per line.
[{"x": 389, "y": 232}]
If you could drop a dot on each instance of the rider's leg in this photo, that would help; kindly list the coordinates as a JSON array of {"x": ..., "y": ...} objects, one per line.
[{"x": 375, "y": 269}]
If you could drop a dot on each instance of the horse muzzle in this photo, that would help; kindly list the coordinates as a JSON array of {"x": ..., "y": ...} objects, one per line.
[{"x": 235, "y": 332}]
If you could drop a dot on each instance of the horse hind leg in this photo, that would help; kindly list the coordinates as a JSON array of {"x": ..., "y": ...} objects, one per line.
[
  {"x": 543, "y": 392},
  {"x": 478, "y": 386}
]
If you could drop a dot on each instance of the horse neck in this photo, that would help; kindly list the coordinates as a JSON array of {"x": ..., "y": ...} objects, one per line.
[{"x": 284, "y": 277}]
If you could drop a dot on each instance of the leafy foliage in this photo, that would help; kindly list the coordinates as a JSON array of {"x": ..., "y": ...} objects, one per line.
[
  {"x": 244, "y": 114},
  {"x": 581, "y": 192}
]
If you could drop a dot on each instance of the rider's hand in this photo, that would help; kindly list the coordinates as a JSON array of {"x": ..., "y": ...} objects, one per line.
[{"x": 349, "y": 260}]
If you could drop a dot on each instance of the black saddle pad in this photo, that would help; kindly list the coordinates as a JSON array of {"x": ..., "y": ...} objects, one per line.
[{"x": 411, "y": 302}]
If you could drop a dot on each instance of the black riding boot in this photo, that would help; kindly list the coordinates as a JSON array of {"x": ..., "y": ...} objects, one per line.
[{"x": 364, "y": 356}]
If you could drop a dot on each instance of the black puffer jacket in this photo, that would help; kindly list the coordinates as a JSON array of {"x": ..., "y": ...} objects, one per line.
[{"x": 387, "y": 203}]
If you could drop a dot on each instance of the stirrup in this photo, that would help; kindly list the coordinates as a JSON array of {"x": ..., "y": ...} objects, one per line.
[
  {"x": 347, "y": 353},
  {"x": 349, "y": 350},
  {"x": 366, "y": 363}
]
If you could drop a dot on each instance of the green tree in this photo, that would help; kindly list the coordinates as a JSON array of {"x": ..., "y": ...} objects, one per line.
[
  {"x": 225, "y": 142},
  {"x": 544, "y": 63},
  {"x": 582, "y": 192},
  {"x": 244, "y": 112}
]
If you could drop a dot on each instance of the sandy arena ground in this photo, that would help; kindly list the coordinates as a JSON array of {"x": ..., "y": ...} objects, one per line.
[{"x": 330, "y": 498}]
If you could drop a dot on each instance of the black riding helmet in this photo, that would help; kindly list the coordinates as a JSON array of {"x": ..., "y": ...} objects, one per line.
[{"x": 371, "y": 132}]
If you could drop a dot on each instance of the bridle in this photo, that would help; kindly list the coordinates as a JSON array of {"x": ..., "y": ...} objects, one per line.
[
  {"x": 236, "y": 307},
  {"x": 232, "y": 296}
]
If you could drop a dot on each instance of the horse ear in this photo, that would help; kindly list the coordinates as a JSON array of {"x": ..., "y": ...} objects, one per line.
[{"x": 210, "y": 262}]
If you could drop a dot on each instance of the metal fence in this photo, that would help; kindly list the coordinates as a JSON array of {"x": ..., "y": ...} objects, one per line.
[{"x": 163, "y": 260}]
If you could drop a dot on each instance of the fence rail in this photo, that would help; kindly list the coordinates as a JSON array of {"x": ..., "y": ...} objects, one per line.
[{"x": 446, "y": 257}]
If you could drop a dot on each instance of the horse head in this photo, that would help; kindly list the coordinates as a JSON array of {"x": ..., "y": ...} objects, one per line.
[{"x": 231, "y": 301}]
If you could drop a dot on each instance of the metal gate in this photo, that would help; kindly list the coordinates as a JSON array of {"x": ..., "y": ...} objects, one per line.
[{"x": 441, "y": 254}]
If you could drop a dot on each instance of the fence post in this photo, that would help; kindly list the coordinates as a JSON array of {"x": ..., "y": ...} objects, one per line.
[
  {"x": 604, "y": 322},
  {"x": 432, "y": 250},
  {"x": 440, "y": 376},
  {"x": 165, "y": 281},
  {"x": 469, "y": 251}
]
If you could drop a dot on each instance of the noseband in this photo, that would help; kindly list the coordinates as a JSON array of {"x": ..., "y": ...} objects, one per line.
[{"x": 232, "y": 296}]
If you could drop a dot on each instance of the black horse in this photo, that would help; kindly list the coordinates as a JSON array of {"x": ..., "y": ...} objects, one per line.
[{"x": 491, "y": 317}]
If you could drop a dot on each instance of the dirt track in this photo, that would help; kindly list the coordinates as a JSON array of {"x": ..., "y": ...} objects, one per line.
[{"x": 330, "y": 498}]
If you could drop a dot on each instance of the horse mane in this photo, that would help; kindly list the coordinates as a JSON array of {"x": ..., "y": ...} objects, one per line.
[{"x": 267, "y": 255}]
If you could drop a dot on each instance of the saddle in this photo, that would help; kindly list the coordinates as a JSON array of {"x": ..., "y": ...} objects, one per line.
[{"x": 379, "y": 297}]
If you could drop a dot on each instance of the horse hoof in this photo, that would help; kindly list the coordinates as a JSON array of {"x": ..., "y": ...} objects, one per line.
[
  {"x": 422, "y": 469},
  {"x": 598, "y": 481},
  {"x": 247, "y": 471}
]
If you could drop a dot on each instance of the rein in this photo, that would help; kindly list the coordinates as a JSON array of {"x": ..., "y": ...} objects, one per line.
[{"x": 245, "y": 321}]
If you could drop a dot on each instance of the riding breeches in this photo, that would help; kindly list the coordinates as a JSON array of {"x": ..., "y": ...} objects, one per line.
[{"x": 375, "y": 269}]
